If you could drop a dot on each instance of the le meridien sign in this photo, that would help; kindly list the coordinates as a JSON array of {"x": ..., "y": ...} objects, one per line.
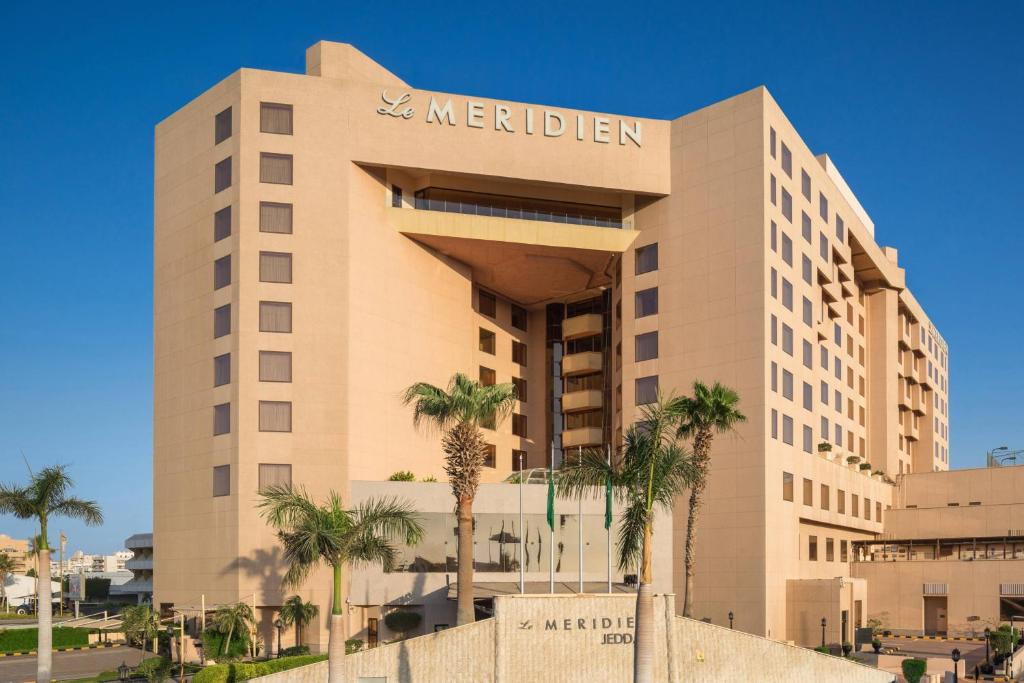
[{"x": 528, "y": 120}]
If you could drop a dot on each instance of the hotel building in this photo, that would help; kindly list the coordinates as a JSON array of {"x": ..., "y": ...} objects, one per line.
[{"x": 323, "y": 240}]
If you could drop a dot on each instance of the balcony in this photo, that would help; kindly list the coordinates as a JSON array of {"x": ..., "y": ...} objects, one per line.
[
  {"x": 584, "y": 436},
  {"x": 586, "y": 325},
  {"x": 591, "y": 399},
  {"x": 139, "y": 541},
  {"x": 581, "y": 363},
  {"x": 140, "y": 564}
]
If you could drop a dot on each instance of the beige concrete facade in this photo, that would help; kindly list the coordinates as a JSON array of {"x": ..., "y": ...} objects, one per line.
[
  {"x": 17, "y": 550},
  {"x": 589, "y": 257}
]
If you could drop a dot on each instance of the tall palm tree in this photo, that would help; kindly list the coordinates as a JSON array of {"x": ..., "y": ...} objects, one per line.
[
  {"x": 708, "y": 412},
  {"x": 298, "y": 612},
  {"x": 654, "y": 471},
  {"x": 229, "y": 619},
  {"x": 333, "y": 535},
  {"x": 6, "y": 569},
  {"x": 458, "y": 412},
  {"x": 46, "y": 494}
]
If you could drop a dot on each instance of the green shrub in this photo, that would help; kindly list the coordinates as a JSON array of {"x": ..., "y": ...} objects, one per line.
[
  {"x": 431, "y": 479},
  {"x": 213, "y": 644},
  {"x": 295, "y": 651},
  {"x": 244, "y": 671},
  {"x": 402, "y": 475},
  {"x": 353, "y": 645},
  {"x": 97, "y": 589},
  {"x": 27, "y": 639},
  {"x": 823, "y": 650},
  {"x": 213, "y": 674},
  {"x": 913, "y": 669},
  {"x": 401, "y": 620},
  {"x": 865, "y": 466},
  {"x": 154, "y": 669},
  {"x": 1001, "y": 639}
]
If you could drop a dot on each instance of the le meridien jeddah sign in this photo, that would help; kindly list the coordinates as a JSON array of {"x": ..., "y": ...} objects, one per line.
[{"x": 505, "y": 118}]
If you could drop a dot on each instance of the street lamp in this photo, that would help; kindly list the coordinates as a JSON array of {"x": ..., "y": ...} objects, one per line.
[
  {"x": 279, "y": 624},
  {"x": 956, "y": 658},
  {"x": 823, "y": 623},
  {"x": 731, "y": 615},
  {"x": 988, "y": 638},
  {"x": 122, "y": 671}
]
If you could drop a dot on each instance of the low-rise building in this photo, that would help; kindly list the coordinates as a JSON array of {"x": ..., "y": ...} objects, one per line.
[
  {"x": 140, "y": 563},
  {"x": 17, "y": 550}
]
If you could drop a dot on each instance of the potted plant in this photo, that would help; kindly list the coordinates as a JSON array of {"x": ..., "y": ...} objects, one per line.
[
  {"x": 825, "y": 450},
  {"x": 878, "y": 474},
  {"x": 852, "y": 460},
  {"x": 876, "y": 644},
  {"x": 865, "y": 469},
  {"x": 847, "y": 649}
]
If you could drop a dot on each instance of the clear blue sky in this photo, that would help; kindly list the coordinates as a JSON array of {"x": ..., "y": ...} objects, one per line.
[{"x": 919, "y": 104}]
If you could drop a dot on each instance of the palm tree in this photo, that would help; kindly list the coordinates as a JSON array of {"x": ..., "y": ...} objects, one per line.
[
  {"x": 231, "y": 618},
  {"x": 46, "y": 495},
  {"x": 330, "y": 534},
  {"x": 6, "y": 569},
  {"x": 653, "y": 472},
  {"x": 458, "y": 412},
  {"x": 141, "y": 623},
  {"x": 296, "y": 611},
  {"x": 709, "y": 411}
]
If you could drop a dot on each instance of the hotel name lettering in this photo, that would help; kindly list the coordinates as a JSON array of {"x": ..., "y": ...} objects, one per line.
[
  {"x": 505, "y": 118},
  {"x": 613, "y": 630}
]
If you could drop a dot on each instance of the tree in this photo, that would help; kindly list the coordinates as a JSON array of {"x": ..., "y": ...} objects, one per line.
[
  {"x": 708, "y": 412},
  {"x": 296, "y": 611},
  {"x": 458, "y": 412},
  {"x": 141, "y": 624},
  {"x": 330, "y": 534},
  {"x": 6, "y": 569},
  {"x": 654, "y": 470},
  {"x": 228, "y": 619},
  {"x": 46, "y": 495}
]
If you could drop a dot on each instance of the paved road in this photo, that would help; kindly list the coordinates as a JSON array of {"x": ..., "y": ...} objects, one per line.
[
  {"x": 67, "y": 665},
  {"x": 971, "y": 653}
]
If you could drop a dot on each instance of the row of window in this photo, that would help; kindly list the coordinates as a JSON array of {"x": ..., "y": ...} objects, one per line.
[
  {"x": 270, "y": 474},
  {"x": 825, "y": 500},
  {"x": 274, "y": 416},
  {"x": 274, "y": 366},
  {"x": 805, "y": 184},
  {"x": 487, "y": 304},
  {"x": 812, "y": 549}
]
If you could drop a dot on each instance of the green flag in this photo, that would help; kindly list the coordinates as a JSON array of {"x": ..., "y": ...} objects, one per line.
[
  {"x": 608, "y": 502},
  {"x": 551, "y": 498}
]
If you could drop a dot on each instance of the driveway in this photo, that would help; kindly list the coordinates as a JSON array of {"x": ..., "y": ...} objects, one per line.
[{"x": 67, "y": 665}]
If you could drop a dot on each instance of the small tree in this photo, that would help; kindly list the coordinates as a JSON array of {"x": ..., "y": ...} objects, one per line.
[
  {"x": 230, "y": 619},
  {"x": 913, "y": 669},
  {"x": 6, "y": 569},
  {"x": 141, "y": 624},
  {"x": 402, "y": 620},
  {"x": 298, "y": 612}
]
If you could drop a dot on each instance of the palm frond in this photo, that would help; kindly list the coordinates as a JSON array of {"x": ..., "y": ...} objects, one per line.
[
  {"x": 17, "y": 501},
  {"x": 86, "y": 510},
  {"x": 631, "y": 535}
]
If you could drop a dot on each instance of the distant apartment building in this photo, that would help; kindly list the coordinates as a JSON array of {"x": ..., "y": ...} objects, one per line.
[
  {"x": 140, "y": 563},
  {"x": 323, "y": 240},
  {"x": 17, "y": 550}
]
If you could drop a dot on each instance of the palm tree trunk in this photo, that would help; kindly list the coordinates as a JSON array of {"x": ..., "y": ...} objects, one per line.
[
  {"x": 227, "y": 642},
  {"x": 465, "y": 612},
  {"x": 336, "y": 639},
  {"x": 298, "y": 633},
  {"x": 44, "y": 608},
  {"x": 643, "y": 640},
  {"x": 691, "y": 538}
]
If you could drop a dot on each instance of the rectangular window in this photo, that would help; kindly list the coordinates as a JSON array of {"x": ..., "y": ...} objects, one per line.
[
  {"x": 812, "y": 548},
  {"x": 841, "y": 501},
  {"x": 275, "y": 416},
  {"x": 773, "y": 191},
  {"x": 771, "y": 141},
  {"x": 276, "y": 168},
  {"x": 275, "y": 366},
  {"x": 488, "y": 377},
  {"x": 274, "y": 475},
  {"x": 787, "y": 384},
  {"x": 222, "y": 321},
  {"x": 774, "y": 286},
  {"x": 775, "y": 330},
  {"x": 839, "y": 435},
  {"x": 808, "y": 312},
  {"x": 787, "y": 250},
  {"x": 775, "y": 376},
  {"x": 519, "y": 461},
  {"x": 646, "y": 259},
  {"x": 808, "y": 439},
  {"x": 222, "y": 272},
  {"x": 275, "y": 316},
  {"x": 787, "y": 430},
  {"x": 787, "y": 205},
  {"x": 806, "y": 266},
  {"x": 222, "y": 175},
  {"x": 823, "y": 250},
  {"x": 519, "y": 384},
  {"x": 787, "y": 160},
  {"x": 488, "y": 304},
  {"x": 878, "y": 511},
  {"x": 275, "y": 118},
  {"x": 805, "y": 184},
  {"x": 824, "y": 428},
  {"x": 490, "y": 455},
  {"x": 787, "y": 487},
  {"x": 518, "y": 352},
  {"x": 787, "y": 339},
  {"x": 824, "y": 495},
  {"x": 276, "y": 217},
  {"x": 787, "y": 294},
  {"x": 840, "y": 230},
  {"x": 396, "y": 197},
  {"x": 222, "y": 126},
  {"x": 646, "y": 346},
  {"x": 487, "y": 341},
  {"x": 823, "y": 206},
  {"x": 222, "y": 224},
  {"x": 646, "y": 302},
  {"x": 808, "y": 492},
  {"x": 805, "y": 227},
  {"x": 854, "y": 504},
  {"x": 808, "y": 397},
  {"x": 275, "y": 266},
  {"x": 867, "y": 509},
  {"x": 519, "y": 317},
  {"x": 775, "y": 237},
  {"x": 221, "y": 480},
  {"x": 824, "y": 359},
  {"x": 519, "y": 425},
  {"x": 844, "y": 555},
  {"x": 830, "y": 555},
  {"x": 775, "y": 424},
  {"x": 221, "y": 419},
  {"x": 222, "y": 370},
  {"x": 646, "y": 390}
]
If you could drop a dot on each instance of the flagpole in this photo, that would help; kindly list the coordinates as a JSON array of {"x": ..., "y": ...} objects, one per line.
[
  {"x": 522, "y": 532},
  {"x": 608, "y": 528},
  {"x": 579, "y": 461},
  {"x": 551, "y": 523}
]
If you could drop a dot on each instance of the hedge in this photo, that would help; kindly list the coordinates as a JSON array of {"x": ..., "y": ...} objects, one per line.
[
  {"x": 244, "y": 671},
  {"x": 27, "y": 639},
  {"x": 913, "y": 669},
  {"x": 213, "y": 642}
]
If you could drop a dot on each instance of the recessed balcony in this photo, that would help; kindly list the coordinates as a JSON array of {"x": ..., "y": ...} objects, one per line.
[
  {"x": 578, "y": 326},
  {"x": 584, "y": 436},
  {"x": 590, "y": 399},
  {"x": 581, "y": 363}
]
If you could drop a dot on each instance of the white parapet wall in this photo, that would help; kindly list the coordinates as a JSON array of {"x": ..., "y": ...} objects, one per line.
[{"x": 582, "y": 639}]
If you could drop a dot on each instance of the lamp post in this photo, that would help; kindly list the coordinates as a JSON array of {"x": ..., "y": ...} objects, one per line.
[
  {"x": 823, "y": 624},
  {"x": 122, "y": 671},
  {"x": 279, "y": 624},
  {"x": 988, "y": 639},
  {"x": 992, "y": 462},
  {"x": 731, "y": 615},
  {"x": 956, "y": 658}
]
